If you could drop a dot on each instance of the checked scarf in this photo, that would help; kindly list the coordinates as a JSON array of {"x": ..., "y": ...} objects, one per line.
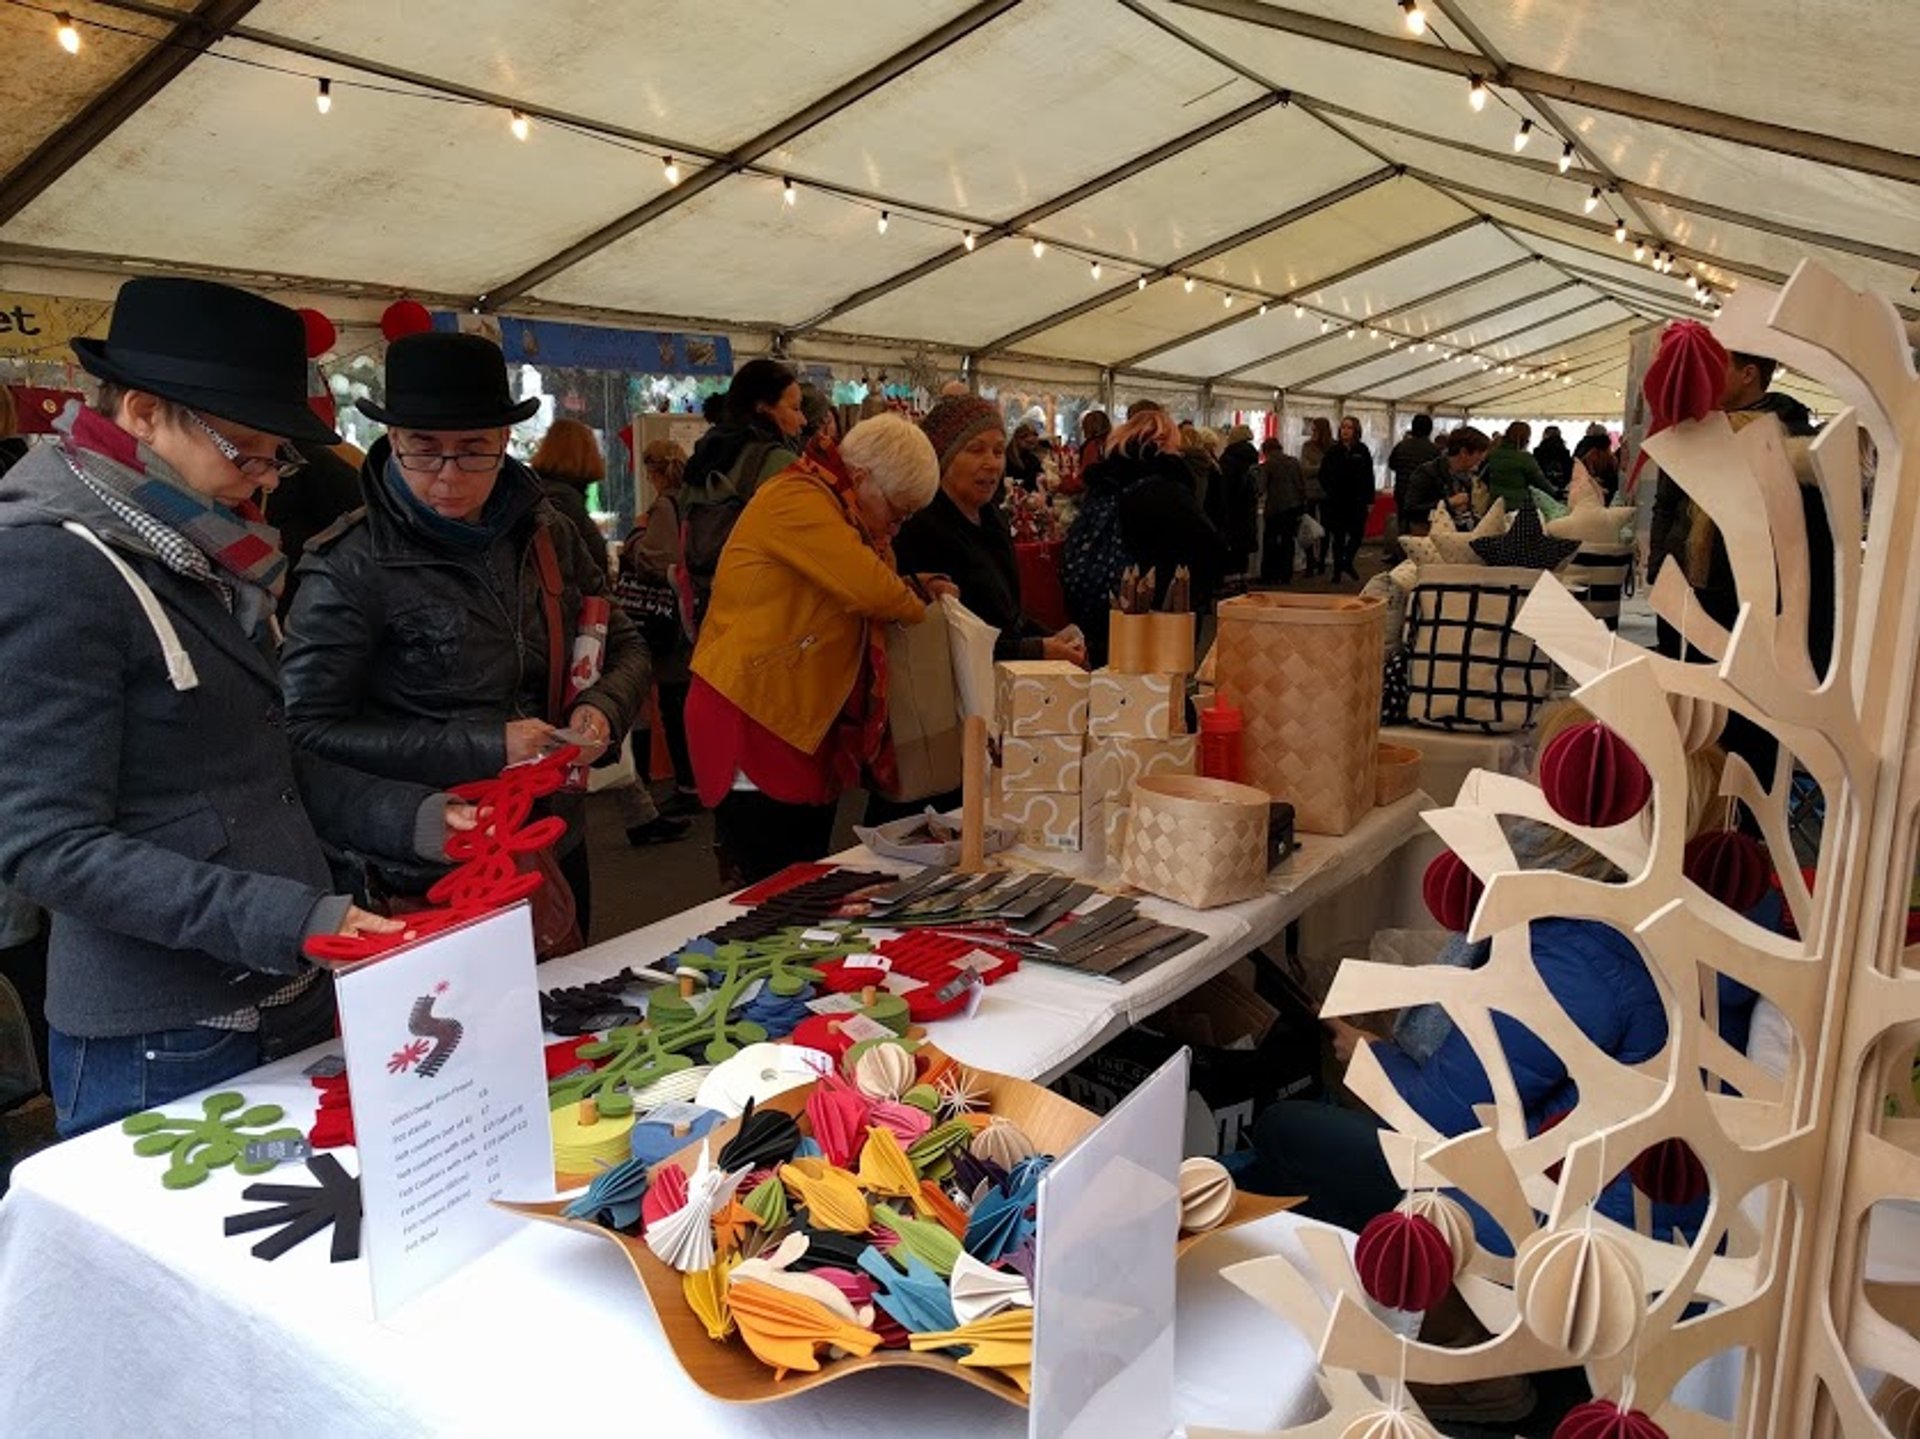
[{"x": 232, "y": 549}]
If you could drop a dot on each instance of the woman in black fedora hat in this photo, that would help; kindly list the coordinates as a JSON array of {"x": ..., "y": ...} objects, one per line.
[
  {"x": 419, "y": 644},
  {"x": 153, "y": 803}
]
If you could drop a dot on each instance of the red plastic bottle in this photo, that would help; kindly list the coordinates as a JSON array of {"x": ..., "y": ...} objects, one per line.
[{"x": 1221, "y": 731}]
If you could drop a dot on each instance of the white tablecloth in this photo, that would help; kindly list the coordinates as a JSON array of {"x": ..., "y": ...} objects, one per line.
[{"x": 124, "y": 1310}]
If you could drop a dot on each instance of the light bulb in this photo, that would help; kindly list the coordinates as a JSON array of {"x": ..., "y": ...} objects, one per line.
[
  {"x": 671, "y": 171},
  {"x": 520, "y": 125},
  {"x": 323, "y": 100},
  {"x": 1477, "y": 94},
  {"x": 1039, "y": 248},
  {"x": 1352, "y": 330},
  {"x": 966, "y": 238},
  {"x": 788, "y": 192},
  {"x": 1372, "y": 334},
  {"x": 1141, "y": 283},
  {"x": 1522, "y": 135},
  {"x": 1299, "y": 312},
  {"x": 1393, "y": 342},
  {"x": 1639, "y": 249},
  {"x": 1566, "y": 158},
  {"x": 1430, "y": 347},
  {"x": 1189, "y": 284},
  {"x": 1226, "y": 300},
  {"x": 1416, "y": 17},
  {"x": 1593, "y": 200},
  {"x": 1325, "y": 325},
  {"x": 67, "y": 33},
  {"x": 1094, "y": 269},
  {"x": 1566, "y": 379},
  {"x": 1620, "y": 232},
  {"x": 1263, "y": 307},
  {"x": 881, "y": 223}
]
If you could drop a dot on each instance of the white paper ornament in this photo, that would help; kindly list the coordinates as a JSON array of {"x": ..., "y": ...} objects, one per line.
[
  {"x": 1206, "y": 1195},
  {"x": 884, "y": 1072},
  {"x": 1580, "y": 1291},
  {"x": 1003, "y": 1143},
  {"x": 1449, "y": 1217},
  {"x": 1389, "y": 1424},
  {"x": 684, "y": 1238},
  {"x": 979, "y": 1292}
]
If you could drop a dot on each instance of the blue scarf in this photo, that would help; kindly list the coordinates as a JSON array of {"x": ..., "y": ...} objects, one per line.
[{"x": 496, "y": 516}]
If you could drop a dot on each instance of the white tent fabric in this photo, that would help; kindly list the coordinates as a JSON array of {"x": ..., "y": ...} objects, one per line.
[{"x": 1172, "y": 197}]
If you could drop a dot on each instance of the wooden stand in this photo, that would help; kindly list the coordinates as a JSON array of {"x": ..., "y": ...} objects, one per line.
[{"x": 973, "y": 798}]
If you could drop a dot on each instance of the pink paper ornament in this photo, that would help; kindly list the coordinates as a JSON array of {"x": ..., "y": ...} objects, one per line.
[
  {"x": 1404, "y": 1261},
  {"x": 1593, "y": 778},
  {"x": 1730, "y": 866},
  {"x": 837, "y": 1116},
  {"x": 1451, "y": 890},
  {"x": 1604, "y": 1419},
  {"x": 666, "y": 1195}
]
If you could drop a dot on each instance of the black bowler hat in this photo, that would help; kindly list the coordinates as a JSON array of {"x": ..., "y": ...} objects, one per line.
[
  {"x": 442, "y": 381},
  {"x": 232, "y": 354}
]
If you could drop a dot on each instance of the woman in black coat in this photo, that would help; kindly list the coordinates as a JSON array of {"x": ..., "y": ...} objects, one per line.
[
  {"x": 1237, "y": 515},
  {"x": 1347, "y": 478},
  {"x": 153, "y": 804},
  {"x": 419, "y": 645}
]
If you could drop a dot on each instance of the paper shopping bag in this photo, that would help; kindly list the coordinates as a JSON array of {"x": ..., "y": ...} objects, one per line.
[
  {"x": 923, "y": 712},
  {"x": 971, "y": 640}
]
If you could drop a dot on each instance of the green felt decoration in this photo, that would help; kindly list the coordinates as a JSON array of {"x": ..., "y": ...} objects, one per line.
[{"x": 219, "y": 1136}]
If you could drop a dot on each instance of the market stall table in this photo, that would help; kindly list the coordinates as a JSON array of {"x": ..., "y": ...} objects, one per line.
[{"x": 126, "y": 1310}]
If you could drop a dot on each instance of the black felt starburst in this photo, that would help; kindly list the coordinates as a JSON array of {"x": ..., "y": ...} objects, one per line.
[{"x": 302, "y": 1211}]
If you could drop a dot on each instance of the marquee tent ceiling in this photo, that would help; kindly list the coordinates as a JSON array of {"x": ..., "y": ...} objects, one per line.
[{"x": 1292, "y": 195}]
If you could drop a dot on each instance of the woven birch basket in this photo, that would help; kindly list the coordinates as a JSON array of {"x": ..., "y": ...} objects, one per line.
[
  {"x": 1198, "y": 842},
  {"x": 1305, "y": 671}
]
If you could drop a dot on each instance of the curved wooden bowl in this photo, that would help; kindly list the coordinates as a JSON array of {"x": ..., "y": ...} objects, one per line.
[{"x": 729, "y": 1371}]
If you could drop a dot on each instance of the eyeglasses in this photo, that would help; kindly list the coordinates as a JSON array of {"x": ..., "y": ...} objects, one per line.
[
  {"x": 285, "y": 462},
  {"x": 430, "y": 462}
]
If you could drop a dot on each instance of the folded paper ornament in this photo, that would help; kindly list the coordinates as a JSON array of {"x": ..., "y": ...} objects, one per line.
[
  {"x": 706, "y": 1291},
  {"x": 1669, "y": 1172},
  {"x": 766, "y": 1138},
  {"x": 908, "y": 1122},
  {"x": 786, "y": 1331},
  {"x": 1003, "y": 1142},
  {"x": 666, "y": 1193},
  {"x": 932, "y": 1152},
  {"x": 732, "y": 1227},
  {"x": 613, "y": 1198},
  {"x": 831, "y": 1195},
  {"x": 925, "y": 1098},
  {"x": 929, "y": 1242},
  {"x": 937, "y": 1206},
  {"x": 1003, "y": 1342},
  {"x": 918, "y": 1299},
  {"x": 1404, "y": 1261},
  {"x": 1206, "y": 1194},
  {"x": 774, "y": 1269},
  {"x": 1389, "y": 1424},
  {"x": 830, "y": 1248},
  {"x": 1448, "y": 1216},
  {"x": 979, "y": 1292},
  {"x": 768, "y": 1203},
  {"x": 886, "y": 1071},
  {"x": 1452, "y": 891},
  {"x": 1604, "y": 1419},
  {"x": 960, "y": 1092},
  {"x": 1731, "y": 866},
  {"x": 1580, "y": 1291},
  {"x": 1699, "y": 721},
  {"x": 885, "y": 1169},
  {"x": 1000, "y": 1222},
  {"x": 684, "y": 1238},
  {"x": 1593, "y": 778},
  {"x": 837, "y": 1115}
]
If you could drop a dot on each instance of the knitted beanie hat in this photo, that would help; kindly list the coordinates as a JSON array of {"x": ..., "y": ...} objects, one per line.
[{"x": 955, "y": 420}]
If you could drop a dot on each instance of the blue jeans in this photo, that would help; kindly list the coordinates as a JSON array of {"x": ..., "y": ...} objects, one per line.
[{"x": 102, "y": 1081}]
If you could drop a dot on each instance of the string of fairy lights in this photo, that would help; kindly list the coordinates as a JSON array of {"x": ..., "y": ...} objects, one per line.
[{"x": 677, "y": 166}]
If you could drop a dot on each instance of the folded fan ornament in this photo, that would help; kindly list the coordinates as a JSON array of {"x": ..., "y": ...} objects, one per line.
[{"x": 979, "y": 1292}]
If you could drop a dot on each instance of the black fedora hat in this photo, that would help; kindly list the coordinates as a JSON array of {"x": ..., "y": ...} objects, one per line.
[
  {"x": 437, "y": 380},
  {"x": 210, "y": 347}
]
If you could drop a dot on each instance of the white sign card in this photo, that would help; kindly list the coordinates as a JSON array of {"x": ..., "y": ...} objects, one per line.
[
  {"x": 1109, "y": 1219},
  {"x": 445, "y": 1065}
]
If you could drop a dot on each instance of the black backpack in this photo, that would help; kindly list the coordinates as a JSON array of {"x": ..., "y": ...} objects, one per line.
[{"x": 710, "y": 506}]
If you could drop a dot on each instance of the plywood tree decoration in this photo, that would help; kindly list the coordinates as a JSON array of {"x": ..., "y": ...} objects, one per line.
[{"x": 1778, "y": 1273}]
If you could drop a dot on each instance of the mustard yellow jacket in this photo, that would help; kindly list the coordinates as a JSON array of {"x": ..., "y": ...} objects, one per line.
[{"x": 786, "y": 628}]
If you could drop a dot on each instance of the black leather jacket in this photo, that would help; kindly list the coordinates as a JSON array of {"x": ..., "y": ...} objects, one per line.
[{"x": 405, "y": 657}]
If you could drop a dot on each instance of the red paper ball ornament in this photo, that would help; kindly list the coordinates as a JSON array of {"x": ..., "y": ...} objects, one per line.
[
  {"x": 1404, "y": 1261},
  {"x": 1730, "y": 866},
  {"x": 1670, "y": 1173},
  {"x": 1593, "y": 778},
  {"x": 403, "y": 318},
  {"x": 320, "y": 333},
  {"x": 1452, "y": 891},
  {"x": 1604, "y": 1419}
]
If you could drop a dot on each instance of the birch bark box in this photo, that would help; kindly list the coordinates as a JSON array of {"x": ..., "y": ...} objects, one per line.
[
  {"x": 1305, "y": 671},
  {"x": 1113, "y": 766},
  {"x": 1040, "y": 697},
  {"x": 1047, "y": 763},
  {"x": 1044, "y": 820}
]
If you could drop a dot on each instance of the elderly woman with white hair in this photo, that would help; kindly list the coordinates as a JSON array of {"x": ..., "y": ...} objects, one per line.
[{"x": 787, "y": 708}]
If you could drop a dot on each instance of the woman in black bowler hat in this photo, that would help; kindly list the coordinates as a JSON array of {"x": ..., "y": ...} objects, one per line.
[
  {"x": 419, "y": 644},
  {"x": 153, "y": 804}
]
